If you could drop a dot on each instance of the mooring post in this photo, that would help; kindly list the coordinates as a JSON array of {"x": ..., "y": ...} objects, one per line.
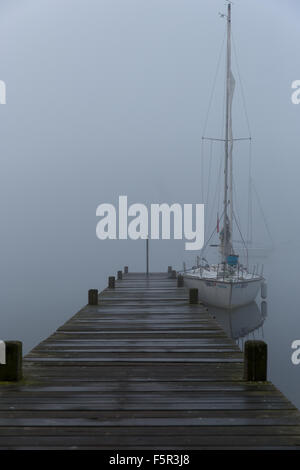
[
  {"x": 125, "y": 269},
  {"x": 11, "y": 370},
  {"x": 170, "y": 271},
  {"x": 93, "y": 297},
  {"x": 193, "y": 296},
  {"x": 255, "y": 361},
  {"x": 173, "y": 274},
  {"x": 180, "y": 282},
  {"x": 120, "y": 276},
  {"x": 111, "y": 282}
]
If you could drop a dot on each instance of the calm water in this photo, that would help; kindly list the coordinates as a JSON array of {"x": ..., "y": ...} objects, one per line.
[{"x": 277, "y": 321}]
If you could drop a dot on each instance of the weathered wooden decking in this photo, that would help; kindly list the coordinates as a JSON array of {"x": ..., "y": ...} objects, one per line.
[{"x": 144, "y": 369}]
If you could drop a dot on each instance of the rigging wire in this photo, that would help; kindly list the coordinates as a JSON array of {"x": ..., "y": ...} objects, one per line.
[
  {"x": 209, "y": 172},
  {"x": 221, "y": 146},
  {"x": 251, "y": 185},
  {"x": 262, "y": 213},
  {"x": 216, "y": 194},
  {"x": 202, "y": 171},
  {"x": 235, "y": 196},
  {"x": 214, "y": 84},
  {"x": 241, "y": 83},
  {"x": 217, "y": 199},
  {"x": 213, "y": 232},
  {"x": 220, "y": 172},
  {"x": 245, "y": 245},
  {"x": 249, "y": 219},
  {"x": 207, "y": 114}
]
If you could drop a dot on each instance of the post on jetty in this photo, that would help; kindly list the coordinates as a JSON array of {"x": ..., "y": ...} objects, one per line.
[
  {"x": 11, "y": 361},
  {"x": 141, "y": 367},
  {"x": 256, "y": 360}
]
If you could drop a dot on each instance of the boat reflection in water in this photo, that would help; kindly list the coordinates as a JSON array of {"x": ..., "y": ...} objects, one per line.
[{"x": 242, "y": 323}]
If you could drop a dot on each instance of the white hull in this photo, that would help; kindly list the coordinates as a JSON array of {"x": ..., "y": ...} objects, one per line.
[{"x": 224, "y": 294}]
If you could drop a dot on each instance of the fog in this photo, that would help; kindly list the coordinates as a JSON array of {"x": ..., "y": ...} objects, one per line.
[{"x": 109, "y": 98}]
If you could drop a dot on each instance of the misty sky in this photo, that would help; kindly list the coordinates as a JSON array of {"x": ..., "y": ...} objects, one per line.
[{"x": 109, "y": 97}]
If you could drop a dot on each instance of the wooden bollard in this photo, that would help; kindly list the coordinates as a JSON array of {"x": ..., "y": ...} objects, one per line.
[
  {"x": 11, "y": 371},
  {"x": 120, "y": 275},
  {"x": 180, "y": 282},
  {"x": 125, "y": 269},
  {"x": 93, "y": 297},
  {"x": 173, "y": 274},
  {"x": 169, "y": 271},
  {"x": 193, "y": 296},
  {"x": 255, "y": 361},
  {"x": 111, "y": 282}
]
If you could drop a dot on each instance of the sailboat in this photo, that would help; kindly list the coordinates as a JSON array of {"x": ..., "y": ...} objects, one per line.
[{"x": 228, "y": 284}]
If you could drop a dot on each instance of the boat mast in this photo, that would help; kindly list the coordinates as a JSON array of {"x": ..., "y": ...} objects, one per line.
[{"x": 228, "y": 218}]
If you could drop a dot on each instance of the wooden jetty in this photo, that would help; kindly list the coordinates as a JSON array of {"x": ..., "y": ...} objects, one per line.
[{"x": 144, "y": 369}]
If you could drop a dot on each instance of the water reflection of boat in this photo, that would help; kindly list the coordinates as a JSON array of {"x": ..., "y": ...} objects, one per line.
[{"x": 241, "y": 322}]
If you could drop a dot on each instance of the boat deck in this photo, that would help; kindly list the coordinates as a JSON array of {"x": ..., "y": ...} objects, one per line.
[{"x": 215, "y": 275}]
